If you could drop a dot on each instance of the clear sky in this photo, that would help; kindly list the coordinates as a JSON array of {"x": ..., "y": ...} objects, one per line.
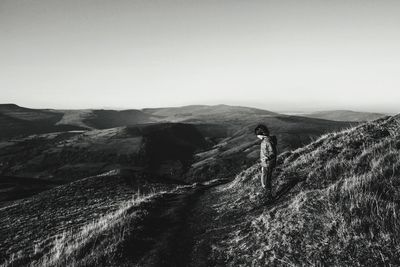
[{"x": 277, "y": 55}]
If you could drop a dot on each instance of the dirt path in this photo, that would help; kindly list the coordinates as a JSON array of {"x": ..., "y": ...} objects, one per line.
[
  {"x": 209, "y": 223},
  {"x": 177, "y": 229},
  {"x": 185, "y": 228}
]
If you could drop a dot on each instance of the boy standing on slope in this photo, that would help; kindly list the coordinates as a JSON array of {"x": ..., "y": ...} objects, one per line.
[{"x": 267, "y": 157}]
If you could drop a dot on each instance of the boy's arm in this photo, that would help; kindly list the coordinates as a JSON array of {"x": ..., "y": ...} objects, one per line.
[{"x": 270, "y": 151}]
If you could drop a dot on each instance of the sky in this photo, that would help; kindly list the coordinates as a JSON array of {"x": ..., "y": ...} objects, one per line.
[{"x": 278, "y": 55}]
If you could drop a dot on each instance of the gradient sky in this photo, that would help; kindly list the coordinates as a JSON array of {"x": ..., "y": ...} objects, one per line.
[{"x": 277, "y": 55}]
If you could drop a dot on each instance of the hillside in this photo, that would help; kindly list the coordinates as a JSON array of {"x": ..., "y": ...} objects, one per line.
[
  {"x": 103, "y": 119},
  {"x": 163, "y": 150},
  {"x": 12, "y": 187},
  {"x": 60, "y": 225},
  {"x": 337, "y": 204},
  {"x": 26, "y": 114},
  {"x": 216, "y": 113},
  {"x": 345, "y": 115},
  {"x": 17, "y": 121},
  {"x": 240, "y": 149}
]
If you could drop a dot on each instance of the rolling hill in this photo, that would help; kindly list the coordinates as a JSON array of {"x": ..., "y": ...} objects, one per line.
[
  {"x": 212, "y": 114},
  {"x": 163, "y": 150},
  {"x": 17, "y": 121},
  {"x": 345, "y": 115}
]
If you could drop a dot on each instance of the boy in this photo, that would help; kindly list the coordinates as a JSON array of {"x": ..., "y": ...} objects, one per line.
[{"x": 267, "y": 157}]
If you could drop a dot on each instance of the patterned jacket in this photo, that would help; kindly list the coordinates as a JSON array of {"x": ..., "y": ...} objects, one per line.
[{"x": 268, "y": 150}]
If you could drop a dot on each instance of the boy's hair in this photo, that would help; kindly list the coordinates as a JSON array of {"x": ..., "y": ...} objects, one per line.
[{"x": 261, "y": 129}]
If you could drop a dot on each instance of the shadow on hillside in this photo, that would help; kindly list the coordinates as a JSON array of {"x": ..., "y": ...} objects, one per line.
[{"x": 286, "y": 187}]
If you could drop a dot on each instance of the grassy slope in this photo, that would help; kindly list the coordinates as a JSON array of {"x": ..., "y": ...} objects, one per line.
[
  {"x": 60, "y": 225},
  {"x": 241, "y": 149},
  {"x": 103, "y": 119},
  {"x": 12, "y": 188},
  {"x": 204, "y": 112},
  {"x": 338, "y": 204},
  {"x": 165, "y": 149}
]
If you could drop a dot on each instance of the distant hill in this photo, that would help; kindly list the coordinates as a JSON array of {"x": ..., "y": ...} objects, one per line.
[
  {"x": 26, "y": 114},
  {"x": 345, "y": 115},
  {"x": 22, "y": 121},
  {"x": 197, "y": 114},
  {"x": 104, "y": 119},
  {"x": 18, "y": 121},
  {"x": 215, "y": 114},
  {"x": 162, "y": 150}
]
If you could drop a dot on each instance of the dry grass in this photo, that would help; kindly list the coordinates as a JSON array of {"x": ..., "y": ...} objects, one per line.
[
  {"x": 68, "y": 246},
  {"x": 83, "y": 223},
  {"x": 342, "y": 208},
  {"x": 65, "y": 248}
]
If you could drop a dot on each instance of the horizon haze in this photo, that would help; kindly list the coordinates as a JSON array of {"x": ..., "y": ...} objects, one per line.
[{"x": 275, "y": 55}]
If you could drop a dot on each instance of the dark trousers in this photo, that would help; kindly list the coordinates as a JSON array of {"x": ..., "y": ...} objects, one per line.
[{"x": 266, "y": 175}]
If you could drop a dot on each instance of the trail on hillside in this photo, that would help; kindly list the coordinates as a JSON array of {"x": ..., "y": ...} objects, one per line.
[
  {"x": 181, "y": 229},
  {"x": 175, "y": 229}
]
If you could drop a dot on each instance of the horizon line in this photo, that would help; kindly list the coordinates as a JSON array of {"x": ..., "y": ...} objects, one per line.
[{"x": 283, "y": 111}]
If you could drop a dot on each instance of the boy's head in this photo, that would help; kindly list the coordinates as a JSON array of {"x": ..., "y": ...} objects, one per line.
[{"x": 261, "y": 130}]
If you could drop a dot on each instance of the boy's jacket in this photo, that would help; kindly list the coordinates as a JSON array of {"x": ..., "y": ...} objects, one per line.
[{"x": 268, "y": 149}]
